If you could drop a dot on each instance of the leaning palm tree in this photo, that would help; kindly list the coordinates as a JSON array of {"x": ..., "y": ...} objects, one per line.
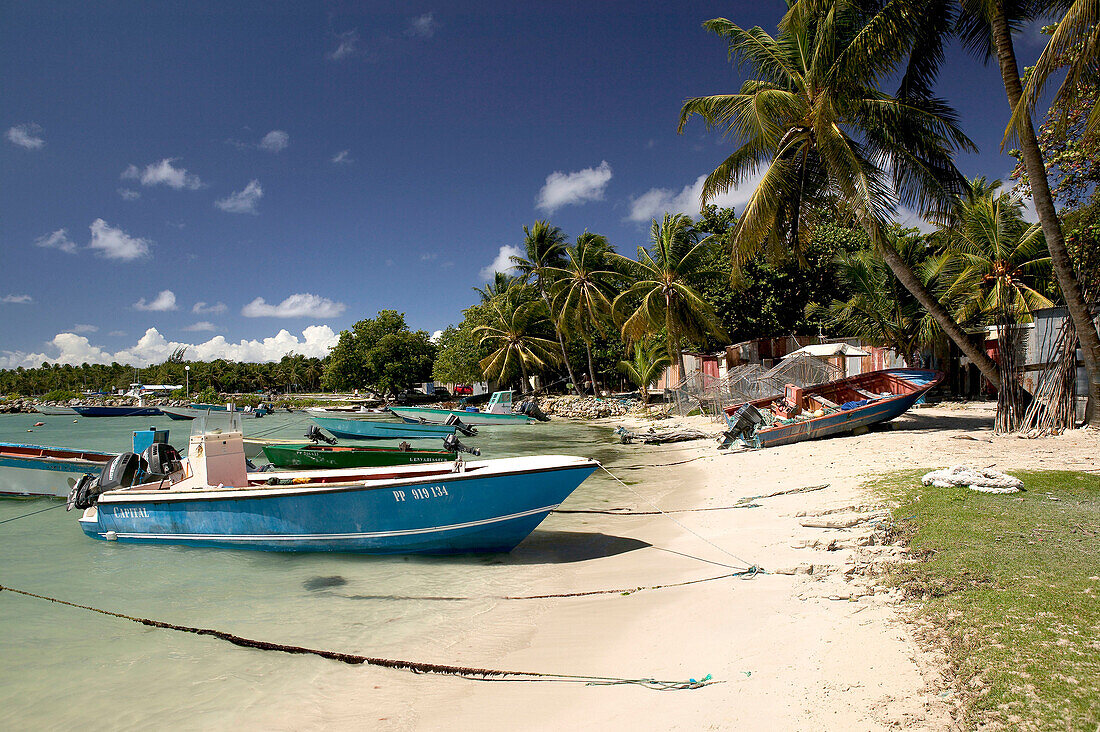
[
  {"x": 646, "y": 365},
  {"x": 511, "y": 333},
  {"x": 992, "y": 259},
  {"x": 662, "y": 296},
  {"x": 580, "y": 293},
  {"x": 543, "y": 253},
  {"x": 814, "y": 121}
]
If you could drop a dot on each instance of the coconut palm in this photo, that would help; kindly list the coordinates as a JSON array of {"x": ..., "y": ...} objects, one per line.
[
  {"x": 580, "y": 293},
  {"x": 511, "y": 333},
  {"x": 544, "y": 253},
  {"x": 646, "y": 366},
  {"x": 662, "y": 295},
  {"x": 815, "y": 123},
  {"x": 500, "y": 285},
  {"x": 992, "y": 259}
]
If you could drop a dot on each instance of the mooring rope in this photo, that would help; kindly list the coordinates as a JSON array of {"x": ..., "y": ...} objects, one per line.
[
  {"x": 417, "y": 667},
  {"x": 41, "y": 510},
  {"x": 746, "y": 502}
]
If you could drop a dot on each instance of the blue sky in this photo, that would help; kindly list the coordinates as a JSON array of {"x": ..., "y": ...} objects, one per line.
[{"x": 251, "y": 178}]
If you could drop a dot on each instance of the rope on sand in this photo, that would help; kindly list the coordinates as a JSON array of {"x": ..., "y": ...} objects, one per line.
[
  {"x": 746, "y": 502},
  {"x": 417, "y": 667}
]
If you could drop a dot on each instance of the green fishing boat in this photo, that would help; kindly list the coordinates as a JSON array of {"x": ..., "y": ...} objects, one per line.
[{"x": 346, "y": 456}]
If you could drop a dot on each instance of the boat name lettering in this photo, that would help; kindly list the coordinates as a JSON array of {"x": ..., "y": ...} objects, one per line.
[{"x": 131, "y": 512}]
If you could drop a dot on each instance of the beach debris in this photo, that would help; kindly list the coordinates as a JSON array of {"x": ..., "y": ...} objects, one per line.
[
  {"x": 833, "y": 522},
  {"x": 657, "y": 437},
  {"x": 983, "y": 480},
  {"x": 39, "y": 424}
]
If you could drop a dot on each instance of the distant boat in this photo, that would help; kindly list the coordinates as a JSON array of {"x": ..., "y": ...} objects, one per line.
[
  {"x": 828, "y": 409},
  {"x": 498, "y": 412},
  {"x": 258, "y": 411},
  {"x": 183, "y": 413},
  {"x": 46, "y": 409},
  {"x": 94, "y": 411},
  {"x": 372, "y": 430},
  {"x": 37, "y": 470},
  {"x": 350, "y": 412},
  {"x": 347, "y": 456},
  {"x": 208, "y": 499}
]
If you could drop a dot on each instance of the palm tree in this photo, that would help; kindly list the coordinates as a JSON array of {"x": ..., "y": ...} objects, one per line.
[
  {"x": 512, "y": 334},
  {"x": 878, "y": 309},
  {"x": 992, "y": 259},
  {"x": 544, "y": 252},
  {"x": 580, "y": 293},
  {"x": 815, "y": 122},
  {"x": 662, "y": 295},
  {"x": 646, "y": 366},
  {"x": 500, "y": 285}
]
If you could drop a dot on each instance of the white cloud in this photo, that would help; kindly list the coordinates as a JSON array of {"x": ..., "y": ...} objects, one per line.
[
  {"x": 243, "y": 201},
  {"x": 563, "y": 189},
  {"x": 342, "y": 158},
  {"x": 201, "y": 325},
  {"x": 27, "y": 136},
  {"x": 129, "y": 194},
  {"x": 163, "y": 302},
  {"x": 163, "y": 173},
  {"x": 300, "y": 305},
  {"x": 436, "y": 335},
  {"x": 347, "y": 45},
  {"x": 117, "y": 333},
  {"x": 315, "y": 342},
  {"x": 275, "y": 141},
  {"x": 115, "y": 243},
  {"x": 423, "y": 26},
  {"x": 57, "y": 240},
  {"x": 503, "y": 263},
  {"x": 17, "y": 299},
  {"x": 910, "y": 219},
  {"x": 201, "y": 308},
  {"x": 85, "y": 328},
  {"x": 656, "y": 202}
]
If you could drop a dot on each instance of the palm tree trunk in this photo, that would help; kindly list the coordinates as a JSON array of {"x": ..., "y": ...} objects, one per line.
[
  {"x": 591, "y": 371},
  {"x": 523, "y": 373},
  {"x": 912, "y": 283},
  {"x": 561, "y": 342},
  {"x": 1048, "y": 217}
]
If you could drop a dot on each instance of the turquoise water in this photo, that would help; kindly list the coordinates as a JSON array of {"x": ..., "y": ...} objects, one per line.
[{"x": 64, "y": 667}]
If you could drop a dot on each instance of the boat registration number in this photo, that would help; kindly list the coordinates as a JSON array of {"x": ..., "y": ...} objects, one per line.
[{"x": 420, "y": 494}]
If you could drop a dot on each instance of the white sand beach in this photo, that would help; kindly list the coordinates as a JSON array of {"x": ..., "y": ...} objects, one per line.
[{"x": 828, "y": 649}]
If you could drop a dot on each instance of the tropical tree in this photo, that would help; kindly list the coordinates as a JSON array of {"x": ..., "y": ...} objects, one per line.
[
  {"x": 511, "y": 333},
  {"x": 993, "y": 260},
  {"x": 662, "y": 295},
  {"x": 814, "y": 121},
  {"x": 646, "y": 365},
  {"x": 580, "y": 293},
  {"x": 544, "y": 253},
  {"x": 502, "y": 281}
]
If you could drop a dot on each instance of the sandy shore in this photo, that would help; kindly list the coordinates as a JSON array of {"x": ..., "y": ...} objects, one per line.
[{"x": 796, "y": 648}]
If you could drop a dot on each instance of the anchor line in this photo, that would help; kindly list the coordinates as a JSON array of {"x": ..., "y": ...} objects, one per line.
[
  {"x": 41, "y": 510},
  {"x": 417, "y": 667}
]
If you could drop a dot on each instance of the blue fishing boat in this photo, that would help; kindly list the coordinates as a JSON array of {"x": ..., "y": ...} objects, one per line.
[
  {"x": 358, "y": 429},
  {"x": 96, "y": 411},
  {"x": 498, "y": 412},
  {"x": 827, "y": 409},
  {"x": 208, "y": 499}
]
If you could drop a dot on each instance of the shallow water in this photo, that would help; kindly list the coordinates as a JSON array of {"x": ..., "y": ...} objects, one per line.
[{"x": 64, "y": 667}]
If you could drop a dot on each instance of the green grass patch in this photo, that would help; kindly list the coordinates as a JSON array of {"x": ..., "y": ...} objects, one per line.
[{"x": 1012, "y": 582}]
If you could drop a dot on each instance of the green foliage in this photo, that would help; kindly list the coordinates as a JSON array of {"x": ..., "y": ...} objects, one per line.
[
  {"x": 1011, "y": 582},
  {"x": 646, "y": 366},
  {"x": 60, "y": 395},
  {"x": 512, "y": 336},
  {"x": 207, "y": 396},
  {"x": 457, "y": 358},
  {"x": 380, "y": 353}
]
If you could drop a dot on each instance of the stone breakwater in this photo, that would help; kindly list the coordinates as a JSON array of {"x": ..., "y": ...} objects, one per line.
[{"x": 587, "y": 407}]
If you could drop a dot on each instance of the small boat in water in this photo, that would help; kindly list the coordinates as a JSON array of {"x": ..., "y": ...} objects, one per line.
[
  {"x": 37, "y": 470},
  {"x": 96, "y": 411},
  {"x": 208, "y": 499},
  {"x": 498, "y": 412},
  {"x": 55, "y": 411},
  {"x": 312, "y": 456},
  {"x": 358, "y": 429},
  {"x": 350, "y": 412},
  {"x": 185, "y": 413},
  {"x": 827, "y": 409}
]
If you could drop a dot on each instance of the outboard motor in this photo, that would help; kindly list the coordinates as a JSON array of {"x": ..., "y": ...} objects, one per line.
[
  {"x": 451, "y": 444},
  {"x": 529, "y": 408},
  {"x": 120, "y": 472},
  {"x": 160, "y": 460},
  {"x": 458, "y": 424},
  {"x": 742, "y": 424},
  {"x": 315, "y": 435}
]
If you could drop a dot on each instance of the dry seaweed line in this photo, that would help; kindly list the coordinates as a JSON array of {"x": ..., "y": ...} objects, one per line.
[{"x": 418, "y": 667}]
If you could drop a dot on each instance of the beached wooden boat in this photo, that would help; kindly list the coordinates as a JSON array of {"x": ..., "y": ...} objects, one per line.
[
  {"x": 208, "y": 499},
  {"x": 348, "y": 456},
  {"x": 828, "y": 409},
  {"x": 497, "y": 412},
  {"x": 37, "y": 470},
  {"x": 357, "y": 429}
]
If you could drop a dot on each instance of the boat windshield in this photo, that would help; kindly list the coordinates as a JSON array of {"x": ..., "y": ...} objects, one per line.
[{"x": 211, "y": 423}]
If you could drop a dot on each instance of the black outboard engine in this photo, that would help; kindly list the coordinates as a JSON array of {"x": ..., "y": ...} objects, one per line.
[
  {"x": 742, "y": 424},
  {"x": 529, "y": 408},
  {"x": 160, "y": 460},
  {"x": 451, "y": 444},
  {"x": 316, "y": 435},
  {"x": 458, "y": 424},
  {"x": 120, "y": 472}
]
